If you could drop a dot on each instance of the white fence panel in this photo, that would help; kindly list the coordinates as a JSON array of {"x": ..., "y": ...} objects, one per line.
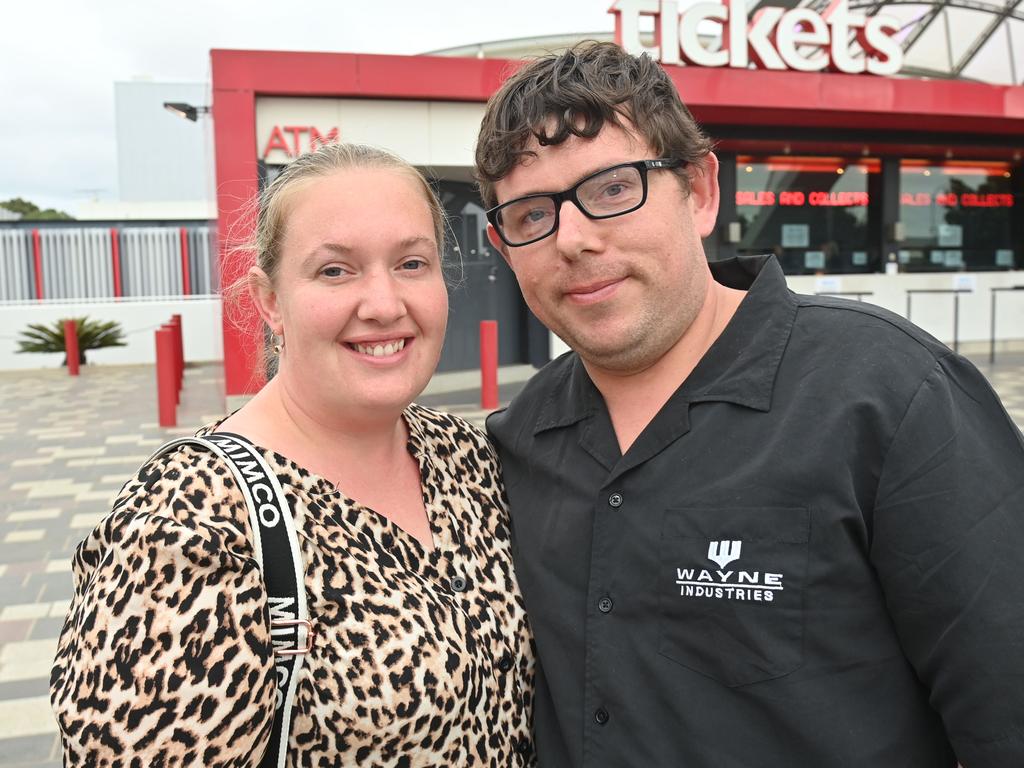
[
  {"x": 153, "y": 259},
  {"x": 99, "y": 269},
  {"x": 78, "y": 262},
  {"x": 202, "y": 249},
  {"x": 17, "y": 265}
]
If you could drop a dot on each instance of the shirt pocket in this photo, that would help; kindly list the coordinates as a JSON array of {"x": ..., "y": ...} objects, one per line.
[{"x": 731, "y": 584}]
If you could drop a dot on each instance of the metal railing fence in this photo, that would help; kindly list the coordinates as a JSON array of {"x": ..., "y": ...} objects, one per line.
[{"x": 95, "y": 262}]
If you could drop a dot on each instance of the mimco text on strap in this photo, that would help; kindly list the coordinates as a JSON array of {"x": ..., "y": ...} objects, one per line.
[{"x": 277, "y": 552}]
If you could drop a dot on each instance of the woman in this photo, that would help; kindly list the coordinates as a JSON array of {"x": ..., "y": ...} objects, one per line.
[{"x": 421, "y": 651}]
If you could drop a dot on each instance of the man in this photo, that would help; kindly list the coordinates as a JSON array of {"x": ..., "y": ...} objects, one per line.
[{"x": 753, "y": 529}]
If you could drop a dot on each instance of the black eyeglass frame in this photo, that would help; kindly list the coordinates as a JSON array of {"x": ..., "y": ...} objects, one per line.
[{"x": 642, "y": 166}]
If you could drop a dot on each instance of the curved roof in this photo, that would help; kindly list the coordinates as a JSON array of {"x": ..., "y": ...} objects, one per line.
[{"x": 978, "y": 40}]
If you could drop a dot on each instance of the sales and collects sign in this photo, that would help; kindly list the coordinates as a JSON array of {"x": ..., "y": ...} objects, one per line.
[{"x": 837, "y": 39}]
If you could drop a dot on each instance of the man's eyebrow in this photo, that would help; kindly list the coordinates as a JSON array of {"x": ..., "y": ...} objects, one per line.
[{"x": 603, "y": 165}]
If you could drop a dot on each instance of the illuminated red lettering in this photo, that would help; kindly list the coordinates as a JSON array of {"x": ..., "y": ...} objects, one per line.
[
  {"x": 794, "y": 197},
  {"x": 948, "y": 199},
  {"x": 276, "y": 141},
  {"x": 988, "y": 200},
  {"x": 838, "y": 199},
  {"x": 755, "y": 198},
  {"x": 915, "y": 199},
  {"x": 296, "y": 131},
  {"x": 317, "y": 140}
]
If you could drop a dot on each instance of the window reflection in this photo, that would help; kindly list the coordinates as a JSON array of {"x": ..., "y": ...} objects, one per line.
[
  {"x": 956, "y": 216},
  {"x": 812, "y": 212}
]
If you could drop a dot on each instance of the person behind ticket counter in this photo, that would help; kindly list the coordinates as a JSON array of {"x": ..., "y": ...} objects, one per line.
[
  {"x": 419, "y": 653},
  {"x": 752, "y": 528}
]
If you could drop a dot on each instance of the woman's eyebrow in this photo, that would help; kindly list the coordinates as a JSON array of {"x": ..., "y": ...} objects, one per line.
[
  {"x": 315, "y": 254},
  {"x": 409, "y": 242}
]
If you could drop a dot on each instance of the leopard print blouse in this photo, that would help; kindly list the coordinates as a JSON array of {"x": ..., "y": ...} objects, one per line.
[{"x": 165, "y": 658}]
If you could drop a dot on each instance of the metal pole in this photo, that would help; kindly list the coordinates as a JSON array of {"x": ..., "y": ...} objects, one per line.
[
  {"x": 956, "y": 321},
  {"x": 992, "y": 330}
]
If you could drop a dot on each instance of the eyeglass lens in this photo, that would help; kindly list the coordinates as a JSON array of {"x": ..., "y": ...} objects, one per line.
[{"x": 615, "y": 191}]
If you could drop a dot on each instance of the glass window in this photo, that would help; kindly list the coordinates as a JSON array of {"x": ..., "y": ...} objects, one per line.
[
  {"x": 812, "y": 212},
  {"x": 956, "y": 216}
]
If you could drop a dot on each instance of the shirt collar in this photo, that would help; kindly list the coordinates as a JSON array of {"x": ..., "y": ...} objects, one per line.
[{"x": 740, "y": 367}]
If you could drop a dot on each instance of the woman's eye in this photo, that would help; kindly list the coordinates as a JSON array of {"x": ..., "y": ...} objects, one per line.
[
  {"x": 332, "y": 271},
  {"x": 413, "y": 264}
]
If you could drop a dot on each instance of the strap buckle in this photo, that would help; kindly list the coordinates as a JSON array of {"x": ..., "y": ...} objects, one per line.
[{"x": 295, "y": 623}]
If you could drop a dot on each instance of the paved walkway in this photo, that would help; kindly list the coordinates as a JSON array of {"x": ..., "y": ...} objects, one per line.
[{"x": 67, "y": 445}]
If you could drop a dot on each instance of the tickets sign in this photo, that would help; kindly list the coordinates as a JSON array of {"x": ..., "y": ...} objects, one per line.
[{"x": 838, "y": 39}]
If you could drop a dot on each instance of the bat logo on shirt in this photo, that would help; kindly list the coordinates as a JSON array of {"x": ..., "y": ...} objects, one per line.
[{"x": 724, "y": 552}]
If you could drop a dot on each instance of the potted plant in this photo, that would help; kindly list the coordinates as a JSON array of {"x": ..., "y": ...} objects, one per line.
[{"x": 92, "y": 334}]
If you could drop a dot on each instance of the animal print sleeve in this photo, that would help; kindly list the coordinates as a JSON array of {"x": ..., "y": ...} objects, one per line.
[{"x": 165, "y": 658}]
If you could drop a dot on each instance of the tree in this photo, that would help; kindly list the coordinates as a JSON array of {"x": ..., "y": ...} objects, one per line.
[{"x": 32, "y": 212}]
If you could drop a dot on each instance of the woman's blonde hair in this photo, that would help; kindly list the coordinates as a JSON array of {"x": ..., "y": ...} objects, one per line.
[{"x": 263, "y": 247}]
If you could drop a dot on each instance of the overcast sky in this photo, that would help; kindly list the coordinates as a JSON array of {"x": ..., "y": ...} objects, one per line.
[{"x": 59, "y": 61}]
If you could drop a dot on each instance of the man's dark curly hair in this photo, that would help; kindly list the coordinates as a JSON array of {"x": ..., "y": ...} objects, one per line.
[{"x": 574, "y": 94}]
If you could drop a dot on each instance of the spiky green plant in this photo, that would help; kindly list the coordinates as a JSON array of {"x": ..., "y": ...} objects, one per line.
[{"x": 92, "y": 334}]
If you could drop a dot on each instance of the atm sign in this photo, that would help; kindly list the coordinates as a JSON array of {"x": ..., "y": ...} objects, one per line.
[{"x": 293, "y": 140}]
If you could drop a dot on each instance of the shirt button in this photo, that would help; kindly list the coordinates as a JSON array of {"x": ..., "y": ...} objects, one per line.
[
  {"x": 459, "y": 584},
  {"x": 505, "y": 664},
  {"x": 605, "y": 604},
  {"x": 601, "y": 716},
  {"x": 615, "y": 500}
]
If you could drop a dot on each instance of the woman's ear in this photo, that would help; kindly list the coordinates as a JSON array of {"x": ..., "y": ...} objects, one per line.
[{"x": 265, "y": 298}]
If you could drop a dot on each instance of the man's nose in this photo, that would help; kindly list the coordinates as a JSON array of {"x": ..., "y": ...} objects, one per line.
[{"x": 576, "y": 234}]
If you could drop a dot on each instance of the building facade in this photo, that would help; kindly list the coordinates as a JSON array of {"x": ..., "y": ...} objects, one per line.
[{"x": 857, "y": 141}]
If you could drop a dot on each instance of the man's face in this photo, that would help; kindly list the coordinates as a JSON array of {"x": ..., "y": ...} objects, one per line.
[{"x": 619, "y": 291}]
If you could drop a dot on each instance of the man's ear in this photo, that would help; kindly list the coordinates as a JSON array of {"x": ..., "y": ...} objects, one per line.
[
  {"x": 498, "y": 243},
  {"x": 704, "y": 194},
  {"x": 265, "y": 298}
]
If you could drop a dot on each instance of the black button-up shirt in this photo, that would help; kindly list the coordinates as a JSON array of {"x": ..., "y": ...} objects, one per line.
[{"x": 812, "y": 557}]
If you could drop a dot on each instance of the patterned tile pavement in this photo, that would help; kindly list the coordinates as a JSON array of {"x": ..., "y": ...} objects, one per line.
[{"x": 66, "y": 445}]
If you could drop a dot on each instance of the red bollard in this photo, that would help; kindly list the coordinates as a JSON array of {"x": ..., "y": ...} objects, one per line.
[
  {"x": 165, "y": 377},
  {"x": 489, "y": 364},
  {"x": 71, "y": 346},
  {"x": 179, "y": 351}
]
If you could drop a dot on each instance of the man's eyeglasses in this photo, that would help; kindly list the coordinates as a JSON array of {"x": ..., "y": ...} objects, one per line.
[{"x": 602, "y": 195}]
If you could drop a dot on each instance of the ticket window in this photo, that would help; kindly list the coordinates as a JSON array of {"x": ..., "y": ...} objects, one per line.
[
  {"x": 956, "y": 216},
  {"x": 812, "y": 212}
]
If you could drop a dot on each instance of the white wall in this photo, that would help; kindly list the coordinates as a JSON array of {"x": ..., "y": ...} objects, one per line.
[
  {"x": 932, "y": 312},
  {"x": 200, "y": 323},
  {"x": 425, "y": 133},
  {"x": 160, "y": 156}
]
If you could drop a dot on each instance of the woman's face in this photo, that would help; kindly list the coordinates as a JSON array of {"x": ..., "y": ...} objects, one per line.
[{"x": 359, "y": 295}]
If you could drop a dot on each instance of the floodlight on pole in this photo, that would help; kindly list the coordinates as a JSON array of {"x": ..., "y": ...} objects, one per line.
[{"x": 185, "y": 111}]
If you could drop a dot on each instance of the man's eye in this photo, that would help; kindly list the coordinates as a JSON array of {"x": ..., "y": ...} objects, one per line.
[
  {"x": 332, "y": 272},
  {"x": 614, "y": 190},
  {"x": 535, "y": 215},
  {"x": 414, "y": 264}
]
